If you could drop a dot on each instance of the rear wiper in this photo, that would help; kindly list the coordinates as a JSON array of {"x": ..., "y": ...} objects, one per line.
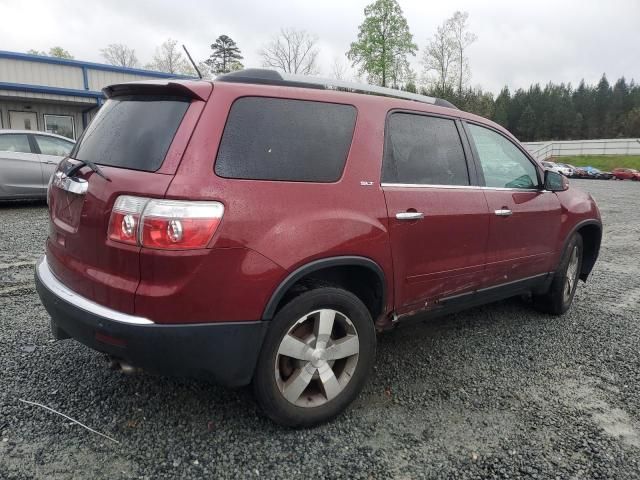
[{"x": 89, "y": 164}]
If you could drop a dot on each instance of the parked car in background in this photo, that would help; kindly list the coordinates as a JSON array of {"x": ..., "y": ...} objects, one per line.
[
  {"x": 261, "y": 228},
  {"x": 566, "y": 169},
  {"x": 592, "y": 172},
  {"x": 596, "y": 174},
  {"x": 606, "y": 175},
  {"x": 626, "y": 174},
  {"x": 28, "y": 159},
  {"x": 574, "y": 170},
  {"x": 558, "y": 168},
  {"x": 580, "y": 172}
]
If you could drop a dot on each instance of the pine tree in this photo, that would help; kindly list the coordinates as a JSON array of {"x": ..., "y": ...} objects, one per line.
[
  {"x": 501, "y": 109},
  {"x": 225, "y": 56},
  {"x": 527, "y": 124},
  {"x": 602, "y": 103}
]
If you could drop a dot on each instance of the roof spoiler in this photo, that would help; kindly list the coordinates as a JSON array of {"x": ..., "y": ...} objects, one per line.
[{"x": 196, "y": 90}]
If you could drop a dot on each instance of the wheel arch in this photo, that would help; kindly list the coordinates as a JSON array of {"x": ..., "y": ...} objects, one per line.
[
  {"x": 344, "y": 271},
  {"x": 591, "y": 233}
]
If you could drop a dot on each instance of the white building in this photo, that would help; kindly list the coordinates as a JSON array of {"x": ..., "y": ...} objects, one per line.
[{"x": 55, "y": 94}]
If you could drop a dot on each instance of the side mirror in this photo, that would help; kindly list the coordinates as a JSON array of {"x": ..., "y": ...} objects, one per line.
[{"x": 555, "y": 182}]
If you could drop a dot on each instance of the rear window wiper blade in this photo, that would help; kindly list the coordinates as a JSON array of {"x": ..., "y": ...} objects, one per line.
[{"x": 89, "y": 164}]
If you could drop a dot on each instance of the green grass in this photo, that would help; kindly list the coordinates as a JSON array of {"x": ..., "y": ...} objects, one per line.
[{"x": 602, "y": 162}]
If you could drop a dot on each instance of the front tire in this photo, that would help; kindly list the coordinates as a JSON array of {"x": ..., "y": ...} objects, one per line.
[
  {"x": 560, "y": 295},
  {"x": 316, "y": 357}
]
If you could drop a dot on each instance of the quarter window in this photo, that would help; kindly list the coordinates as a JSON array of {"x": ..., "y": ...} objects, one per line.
[
  {"x": 503, "y": 164},
  {"x": 14, "y": 143},
  {"x": 423, "y": 150},
  {"x": 282, "y": 139}
]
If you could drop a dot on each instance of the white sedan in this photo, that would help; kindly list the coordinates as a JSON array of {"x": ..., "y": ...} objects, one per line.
[
  {"x": 560, "y": 168},
  {"x": 27, "y": 160}
]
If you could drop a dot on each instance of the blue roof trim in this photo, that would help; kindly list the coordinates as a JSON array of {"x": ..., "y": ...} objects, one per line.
[
  {"x": 70, "y": 92},
  {"x": 94, "y": 66}
]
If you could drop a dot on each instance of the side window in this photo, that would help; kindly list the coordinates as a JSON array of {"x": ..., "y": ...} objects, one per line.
[
  {"x": 282, "y": 139},
  {"x": 503, "y": 164},
  {"x": 53, "y": 146},
  {"x": 423, "y": 150},
  {"x": 14, "y": 143}
]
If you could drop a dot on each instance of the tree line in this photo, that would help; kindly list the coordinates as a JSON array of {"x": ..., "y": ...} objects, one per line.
[{"x": 381, "y": 53}]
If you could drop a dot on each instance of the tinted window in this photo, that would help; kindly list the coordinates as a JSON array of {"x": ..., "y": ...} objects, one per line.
[
  {"x": 53, "y": 146},
  {"x": 503, "y": 164},
  {"x": 423, "y": 150},
  {"x": 132, "y": 132},
  {"x": 279, "y": 139},
  {"x": 14, "y": 143}
]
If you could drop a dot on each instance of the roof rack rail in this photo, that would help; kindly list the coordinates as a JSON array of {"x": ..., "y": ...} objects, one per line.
[{"x": 272, "y": 77}]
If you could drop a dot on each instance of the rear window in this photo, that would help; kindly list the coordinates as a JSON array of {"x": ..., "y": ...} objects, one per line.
[
  {"x": 281, "y": 139},
  {"x": 132, "y": 132}
]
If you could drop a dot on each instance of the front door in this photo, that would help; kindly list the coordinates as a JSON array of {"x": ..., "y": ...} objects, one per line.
[
  {"x": 23, "y": 120},
  {"x": 438, "y": 222},
  {"x": 525, "y": 219}
]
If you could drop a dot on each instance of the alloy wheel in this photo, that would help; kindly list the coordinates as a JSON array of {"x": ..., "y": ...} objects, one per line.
[
  {"x": 571, "y": 277},
  {"x": 317, "y": 358}
]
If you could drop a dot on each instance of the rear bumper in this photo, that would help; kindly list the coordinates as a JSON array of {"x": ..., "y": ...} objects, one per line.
[{"x": 225, "y": 352}]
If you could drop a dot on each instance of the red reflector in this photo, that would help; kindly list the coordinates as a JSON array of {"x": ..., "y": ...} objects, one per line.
[
  {"x": 123, "y": 227},
  {"x": 109, "y": 340},
  {"x": 178, "y": 233}
]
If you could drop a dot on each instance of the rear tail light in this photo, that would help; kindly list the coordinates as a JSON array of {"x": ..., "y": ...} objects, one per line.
[
  {"x": 125, "y": 218},
  {"x": 164, "y": 224}
]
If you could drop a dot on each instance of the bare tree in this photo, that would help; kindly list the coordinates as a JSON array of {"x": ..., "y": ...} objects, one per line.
[
  {"x": 440, "y": 57},
  {"x": 292, "y": 51},
  {"x": 120, "y": 55},
  {"x": 462, "y": 38},
  {"x": 169, "y": 59},
  {"x": 339, "y": 68}
]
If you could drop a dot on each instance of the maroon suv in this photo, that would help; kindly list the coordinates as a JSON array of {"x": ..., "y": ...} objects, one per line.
[{"x": 260, "y": 228}]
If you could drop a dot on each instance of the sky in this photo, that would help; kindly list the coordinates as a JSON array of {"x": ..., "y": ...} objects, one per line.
[{"x": 519, "y": 43}]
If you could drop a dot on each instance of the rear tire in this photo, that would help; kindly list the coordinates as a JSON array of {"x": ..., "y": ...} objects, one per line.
[
  {"x": 560, "y": 295},
  {"x": 316, "y": 357}
]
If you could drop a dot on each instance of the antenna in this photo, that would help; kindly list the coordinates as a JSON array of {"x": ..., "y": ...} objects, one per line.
[{"x": 192, "y": 62}]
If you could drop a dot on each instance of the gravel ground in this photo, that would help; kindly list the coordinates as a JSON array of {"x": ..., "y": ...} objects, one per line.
[{"x": 496, "y": 392}]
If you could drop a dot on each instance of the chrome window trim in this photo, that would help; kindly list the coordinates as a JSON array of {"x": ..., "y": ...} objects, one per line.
[
  {"x": 57, "y": 288},
  {"x": 457, "y": 187}
]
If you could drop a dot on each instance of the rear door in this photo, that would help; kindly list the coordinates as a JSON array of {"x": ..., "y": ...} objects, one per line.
[
  {"x": 525, "y": 218},
  {"x": 51, "y": 151},
  {"x": 137, "y": 139},
  {"x": 438, "y": 220},
  {"x": 20, "y": 171}
]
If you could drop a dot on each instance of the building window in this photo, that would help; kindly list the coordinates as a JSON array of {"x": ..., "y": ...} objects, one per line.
[{"x": 60, "y": 125}]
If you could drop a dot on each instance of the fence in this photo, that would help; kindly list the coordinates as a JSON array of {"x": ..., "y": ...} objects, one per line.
[{"x": 614, "y": 146}]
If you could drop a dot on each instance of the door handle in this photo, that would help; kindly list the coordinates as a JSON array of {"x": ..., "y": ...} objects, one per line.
[
  {"x": 409, "y": 215},
  {"x": 503, "y": 212},
  {"x": 48, "y": 162}
]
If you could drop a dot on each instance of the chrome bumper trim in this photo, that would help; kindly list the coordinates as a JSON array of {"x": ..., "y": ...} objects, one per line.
[{"x": 63, "y": 292}]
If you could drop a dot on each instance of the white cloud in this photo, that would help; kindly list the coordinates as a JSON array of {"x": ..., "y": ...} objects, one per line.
[{"x": 518, "y": 42}]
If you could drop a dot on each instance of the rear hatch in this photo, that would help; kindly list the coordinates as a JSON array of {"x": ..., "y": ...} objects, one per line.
[{"x": 136, "y": 141}]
